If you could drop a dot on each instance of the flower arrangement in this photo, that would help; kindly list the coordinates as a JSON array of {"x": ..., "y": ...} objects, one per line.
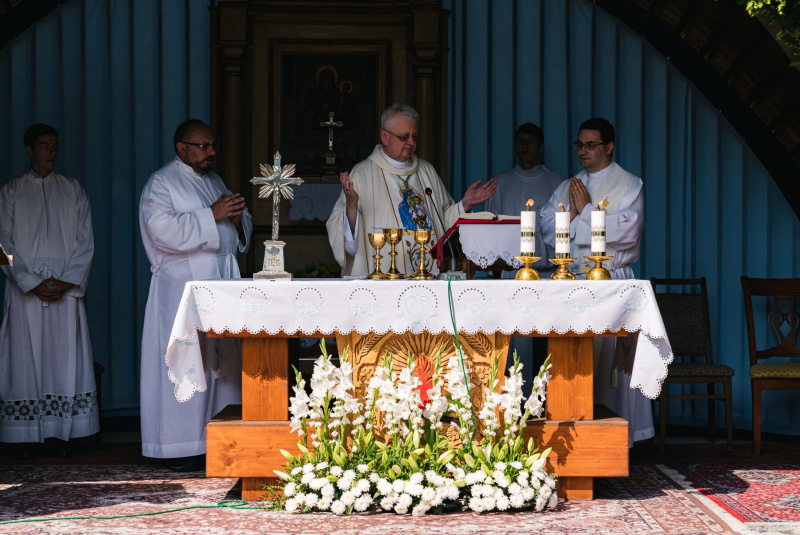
[{"x": 390, "y": 449}]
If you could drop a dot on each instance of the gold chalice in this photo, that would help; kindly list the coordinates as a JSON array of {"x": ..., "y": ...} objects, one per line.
[
  {"x": 378, "y": 240},
  {"x": 394, "y": 235},
  {"x": 422, "y": 237}
]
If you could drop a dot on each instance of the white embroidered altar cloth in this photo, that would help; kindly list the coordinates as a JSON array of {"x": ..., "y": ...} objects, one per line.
[
  {"x": 485, "y": 244},
  {"x": 328, "y": 306}
]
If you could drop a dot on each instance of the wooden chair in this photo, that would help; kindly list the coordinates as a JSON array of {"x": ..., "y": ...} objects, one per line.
[
  {"x": 688, "y": 325},
  {"x": 783, "y": 321}
]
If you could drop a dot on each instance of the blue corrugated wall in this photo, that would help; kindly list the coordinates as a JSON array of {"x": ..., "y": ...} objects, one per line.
[{"x": 116, "y": 76}]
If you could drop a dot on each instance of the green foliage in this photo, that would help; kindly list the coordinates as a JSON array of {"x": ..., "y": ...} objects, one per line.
[{"x": 784, "y": 12}]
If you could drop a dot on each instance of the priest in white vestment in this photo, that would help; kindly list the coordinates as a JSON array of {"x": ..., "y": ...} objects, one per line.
[
  {"x": 529, "y": 179},
  {"x": 192, "y": 228},
  {"x": 393, "y": 188},
  {"x": 47, "y": 386},
  {"x": 603, "y": 179}
]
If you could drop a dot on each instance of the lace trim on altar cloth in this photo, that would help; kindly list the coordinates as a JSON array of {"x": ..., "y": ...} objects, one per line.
[
  {"x": 49, "y": 405},
  {"x": 484, "y": 259}
]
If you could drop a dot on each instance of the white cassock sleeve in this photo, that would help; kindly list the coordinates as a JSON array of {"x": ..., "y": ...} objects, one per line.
[
  {"x": 177, "y": 232},
  {"x": 350, "y": 237},
  {"x": 623, "y": 228},
  {"x": 77, "y": 269},
  {"x": 18, "y": 273}
]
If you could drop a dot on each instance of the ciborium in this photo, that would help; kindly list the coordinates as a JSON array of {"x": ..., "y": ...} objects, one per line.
[
  {"x": 422, "y": 237},
  {"x": 394, "y": 235},
  {"x": 378, "y": 240}
]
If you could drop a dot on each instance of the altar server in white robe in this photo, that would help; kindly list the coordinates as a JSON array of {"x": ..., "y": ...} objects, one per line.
[
  {"x": 603, "y": 179},
  {"x": 389, "y": 190},
  {"x": 47, "y": 387},
  {"x": 192, "y": 227},
  {"x": 529, "y": 179}
]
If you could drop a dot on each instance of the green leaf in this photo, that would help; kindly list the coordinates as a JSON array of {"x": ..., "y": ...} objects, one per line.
[
  {"x": 333, "y": 479},
  {"x": 404, "y": 461}
]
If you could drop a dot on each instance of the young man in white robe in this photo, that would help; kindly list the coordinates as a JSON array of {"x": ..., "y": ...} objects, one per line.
[
  {"x": 529, "y": 179},
  {"x": 603, "y": 179},
  {"x": 47, "y": 385},
  {"x": 192, "y": 228},
  {"x": 389, "y": 190}
]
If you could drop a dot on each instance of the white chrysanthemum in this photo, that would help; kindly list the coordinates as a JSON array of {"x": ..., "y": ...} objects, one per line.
[
  {"x": 308, "y": 467},
  {"x": 541, "y": 501},
  {"x": 363, "y": 468},
  {"x": 528, "y": 493},
  {"x": 550, "y": 482},
  {"x": 344, "y": 483},
  {"x": 514, "y": 488},
  {"x": 516, "y": 465},
  {"x": 516, "y": 501},
  {"x": 290, "y": 489},
  {"x": 553, "y": 500},
  {"x": 452, "y": 492},
  {"x": 311, "y": 499},
  {"x": 488, "y": 481},
  {"x": 400, "y": 510},
  {"x": 417, "y": 478},
  {"x": 322, "y": 466},
  {"x": 536, "y": 482},
  {"x": 387, "y": 503},
  {"x": 318, "y": 483},
  {"x": 362, "y": 486},
  {"x": 374, "y": 477},
  {"x": 546, "y": 492},
  {"x": 348, "y": 498},
  {"x": 476, "y": 491},
  {"x": 324, "y": 504},
  {"x": 476, "y": 504},
  {"x": 404, "y": 500},
  {"x": 414, "y": 489},
  {"x": 328, "y": 491},
  {"x": 502, "y": 503},
  {"x": 349, "y": 474},
  {"x": 419, "y": 510},
  {"x": 300, "y": 498},
  {"x": 362, "y": 502},
  {"x": 500, "y": 466},
  {"x": 399, "y": 485},
  {"x": 384, "y": 487},
  {"x": 501, "y": 481},
  {"x": 336, "y": 471},
  {"x": 291, "y": 505},
  {"x": 488, "y": 503},
  {"x": 338, "y": 508},
  {"x": 307, "y": 478},
  {"x": 474, "y": 477},
  {"x": 428, "y": 494}
]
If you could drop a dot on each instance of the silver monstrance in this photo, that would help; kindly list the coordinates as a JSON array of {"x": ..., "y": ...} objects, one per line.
[{"x": 275, "y": 180}]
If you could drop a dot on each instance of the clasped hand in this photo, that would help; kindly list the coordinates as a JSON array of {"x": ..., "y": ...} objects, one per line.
[
  {"x": 230, "y": 207},
  {"x": 578, "y": 197},
  {"x": 51, "y": 289}
]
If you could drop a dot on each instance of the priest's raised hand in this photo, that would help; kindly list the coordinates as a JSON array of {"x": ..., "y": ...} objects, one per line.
[{"x": 477, "y": 194}]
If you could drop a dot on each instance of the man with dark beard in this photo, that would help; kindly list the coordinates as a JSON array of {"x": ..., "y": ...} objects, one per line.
[{"x": 192, "y": 227}]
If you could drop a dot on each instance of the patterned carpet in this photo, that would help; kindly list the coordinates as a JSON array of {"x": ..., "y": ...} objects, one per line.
[{"x": 114, "y": 480}]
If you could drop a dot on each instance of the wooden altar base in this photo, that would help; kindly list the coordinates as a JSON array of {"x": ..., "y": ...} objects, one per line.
[{"x": 588, "y": 441}]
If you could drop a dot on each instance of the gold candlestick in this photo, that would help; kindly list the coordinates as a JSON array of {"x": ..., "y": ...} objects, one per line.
[
  {"x": 378, "y": 240},
  {"x": 562, "y": 260},
  {"x": 527, "y": 273},
  {"x": 394, "y": 235},
  {"x": 598, "y": 272},
  {"x": 421, "y": 236}
]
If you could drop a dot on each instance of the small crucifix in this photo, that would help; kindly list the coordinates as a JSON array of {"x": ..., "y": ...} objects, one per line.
[{"x": 330, "y": 124}]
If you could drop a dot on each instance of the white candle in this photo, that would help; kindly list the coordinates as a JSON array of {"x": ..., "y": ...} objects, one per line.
[
  {"x": 527, "y": 227},
  {"x": 562, "y": 231},
  {"x": 598, "y": 232}
]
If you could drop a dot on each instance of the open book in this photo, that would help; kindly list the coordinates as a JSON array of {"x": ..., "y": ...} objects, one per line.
[{"x": 489, "y": 216}]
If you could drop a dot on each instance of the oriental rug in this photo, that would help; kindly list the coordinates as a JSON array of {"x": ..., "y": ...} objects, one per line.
[{"x": 96, "y": 483}]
